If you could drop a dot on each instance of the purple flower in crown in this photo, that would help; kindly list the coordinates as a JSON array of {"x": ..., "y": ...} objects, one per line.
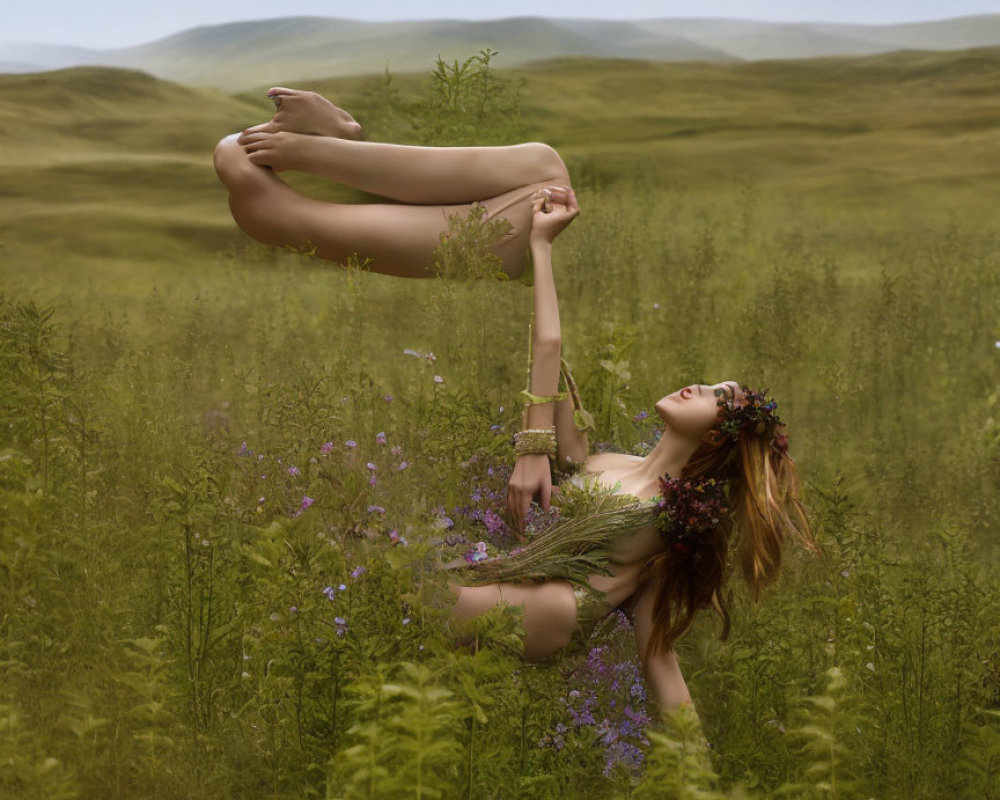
[{"x": 753, "y": 414}]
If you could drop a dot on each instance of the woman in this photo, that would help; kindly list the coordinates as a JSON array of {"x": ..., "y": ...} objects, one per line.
[
  {"x": 647, "y": 558},
  {"x": 662, "y": 556},
  {"x": 430, "y": 184}
]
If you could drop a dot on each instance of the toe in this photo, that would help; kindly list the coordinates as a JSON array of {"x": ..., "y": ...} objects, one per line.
[{"x": 264, "y": 127}]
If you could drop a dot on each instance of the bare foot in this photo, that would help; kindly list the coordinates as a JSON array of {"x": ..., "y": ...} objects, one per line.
[
  {"x": 280, "y": 150},
  {"x": 307, "y": 112}
]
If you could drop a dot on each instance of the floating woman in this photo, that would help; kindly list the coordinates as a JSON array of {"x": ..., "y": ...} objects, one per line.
[
  {"x": 431, "y": 186},
  {"x": 655, "y": 542}
]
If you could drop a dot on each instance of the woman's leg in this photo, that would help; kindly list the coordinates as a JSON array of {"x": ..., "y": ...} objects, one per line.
[
  {"x": 549, "y": 611},
  {"x": 416, "y": 175},
  {"x": 398, "y": 239}
]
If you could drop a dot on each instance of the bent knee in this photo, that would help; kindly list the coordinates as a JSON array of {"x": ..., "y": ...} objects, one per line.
[
  {"x": 551, "y": 167},
  {"x": 551, "y": 623},
  {"x": 226, "y": 157}
]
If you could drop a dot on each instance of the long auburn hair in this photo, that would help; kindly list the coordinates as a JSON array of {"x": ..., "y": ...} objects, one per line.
[{"x": 764, "y": 508}]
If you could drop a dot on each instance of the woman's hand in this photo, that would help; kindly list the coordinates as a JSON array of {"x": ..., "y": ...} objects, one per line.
[
  {"x": 554, "y": 208},
  {"x": 532, "y": 475}
]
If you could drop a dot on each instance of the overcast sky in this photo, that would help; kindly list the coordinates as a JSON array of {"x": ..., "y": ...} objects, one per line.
[{"x": 118, "y": 23}]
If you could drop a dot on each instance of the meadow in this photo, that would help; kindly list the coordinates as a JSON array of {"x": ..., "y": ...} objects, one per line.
[{"x": 226, "y": 470}]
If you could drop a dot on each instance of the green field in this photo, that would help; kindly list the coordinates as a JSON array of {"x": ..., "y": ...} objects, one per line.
[{"x": 826, "y": 228}]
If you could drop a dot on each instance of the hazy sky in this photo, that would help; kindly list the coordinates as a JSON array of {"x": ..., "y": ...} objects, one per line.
[{"x": 118, "y": 23}]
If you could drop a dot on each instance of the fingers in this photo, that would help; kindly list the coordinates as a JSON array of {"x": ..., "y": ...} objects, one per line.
[
  {"x": 281, "y": 90},
  {"x": 564, "y": 195},
  {"x": 546, "y": 494},
  {"x": 552, "y": 196},
  {"x": 518, "y": 506},
  {"x": 558, "y": 194},
  {"x": 574, "y": 206},
  {"x": 513, "y": 507}
]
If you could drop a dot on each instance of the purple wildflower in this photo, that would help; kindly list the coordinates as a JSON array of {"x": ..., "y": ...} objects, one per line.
[
  {"x": 373, "y": 509},
  {"x": 403, "y": 465},
  {"x": 396, "y": 450},
  {"x": 306, "y": 502},
  {"x": 329, "y": 591},
  {"x": 387, "y": 398},
  {"x": 327, "y": 448},
  {"x": 350, "y": 444},
  {"x": 438, "y": 379},
  {"x": 357, "y": 571},
  {"x": 395, "y": 538},
  {"x": 294, "y": 471},
  {"x": 380, "y": 437},
  {"x": 493, "y": 522},
  {"x": 371, "y": 466},
  {"x": 406, "y": 620}
]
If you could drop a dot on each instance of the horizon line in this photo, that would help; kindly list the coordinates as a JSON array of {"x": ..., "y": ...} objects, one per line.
[{"x": 498, "y": 19}]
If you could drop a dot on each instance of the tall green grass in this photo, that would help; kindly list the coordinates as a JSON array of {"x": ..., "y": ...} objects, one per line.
[{"x": 191, "y": 468}]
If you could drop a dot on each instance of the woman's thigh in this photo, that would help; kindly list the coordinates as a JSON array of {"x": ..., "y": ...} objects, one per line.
[
  {"x": 549, "y": 611},
  {"x": 515, "y": 207}
]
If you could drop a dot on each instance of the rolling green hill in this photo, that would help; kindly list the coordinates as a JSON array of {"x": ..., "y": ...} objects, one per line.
[
  {"x": 134, "y": 151},
  {"x": 239, "y": 55}
]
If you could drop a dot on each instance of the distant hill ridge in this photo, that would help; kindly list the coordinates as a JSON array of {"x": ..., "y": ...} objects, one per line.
[{"x": 241, "y": 55}]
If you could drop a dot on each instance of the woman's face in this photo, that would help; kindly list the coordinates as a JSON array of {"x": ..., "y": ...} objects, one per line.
[{"x": 696, "y": 409}]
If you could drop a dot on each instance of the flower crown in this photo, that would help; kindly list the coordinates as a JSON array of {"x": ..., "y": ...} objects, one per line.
[
  {"x": 690, "y": 510},
  {"x": 753, "y": 415}
]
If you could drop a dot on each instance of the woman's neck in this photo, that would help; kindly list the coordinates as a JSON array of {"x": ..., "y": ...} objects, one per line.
[{"x": 668, "y": 457}]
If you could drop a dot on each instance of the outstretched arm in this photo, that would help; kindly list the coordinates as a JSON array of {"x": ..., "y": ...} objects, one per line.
[
  {"x": 663, "y": 674},
  {"x": 532, "y": 474}
]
